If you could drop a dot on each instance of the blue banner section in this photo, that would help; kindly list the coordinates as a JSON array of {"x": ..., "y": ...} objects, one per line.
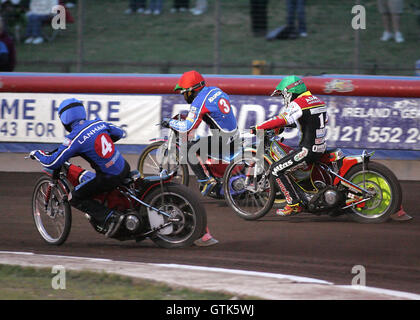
[
  {"x": 389, "y": 125},
  {"x": 376, "y": 123}
]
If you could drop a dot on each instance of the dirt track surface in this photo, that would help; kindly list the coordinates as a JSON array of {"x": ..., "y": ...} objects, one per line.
[{"x": 306, "y": 245}]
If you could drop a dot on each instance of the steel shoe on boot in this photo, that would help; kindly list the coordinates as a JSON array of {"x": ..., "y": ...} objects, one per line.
[
  {"x": 206, "y": 240},
  {"x": 289, "y": 210}
]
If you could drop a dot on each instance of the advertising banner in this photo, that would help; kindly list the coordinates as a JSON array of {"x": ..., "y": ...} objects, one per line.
[
  {"x": 354, "y": 122},
  {"x": 33, "y": 118},
  {"x": 386, "y": 123},
  {"x": 376, "y": 123}
]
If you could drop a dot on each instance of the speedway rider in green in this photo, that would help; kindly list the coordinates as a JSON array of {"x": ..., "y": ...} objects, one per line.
[{"x": 310, "y": 113}]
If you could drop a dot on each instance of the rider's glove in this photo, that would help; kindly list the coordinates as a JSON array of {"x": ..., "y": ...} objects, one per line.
[
  {"x": 165, "y": 122},
  {"x": 32, "y": 154},
  {"x": 278, "y": 131}
]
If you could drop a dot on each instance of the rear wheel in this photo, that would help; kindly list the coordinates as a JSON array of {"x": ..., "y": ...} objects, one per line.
[
  {"x": 154, "y": 158},
  {"x": 190, "y": 219},
  {"x": 248, "y": 190},
  {"x": 387, "y": 192},
  {"x": 51, "y": 214}
]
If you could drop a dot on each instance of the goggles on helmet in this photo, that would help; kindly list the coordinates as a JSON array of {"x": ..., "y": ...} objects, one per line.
[{"x": 183, "y": 90}]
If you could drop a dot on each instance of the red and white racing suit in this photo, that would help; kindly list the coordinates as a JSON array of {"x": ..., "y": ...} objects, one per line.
[{"x": 310, "y": 113}]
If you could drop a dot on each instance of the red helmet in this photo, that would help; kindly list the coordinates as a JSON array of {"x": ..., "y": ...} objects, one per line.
[{"x": 190, "y": 81}]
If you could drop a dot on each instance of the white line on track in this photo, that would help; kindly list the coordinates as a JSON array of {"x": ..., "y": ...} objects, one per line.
[
  {"x": 297, "y": 279},
  {"x": 246, "y": 273}
]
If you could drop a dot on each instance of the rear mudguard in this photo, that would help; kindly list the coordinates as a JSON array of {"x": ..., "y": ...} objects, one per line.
[
  {"x": 145, "y": 186},
  {"x": 349, "y": 162}
]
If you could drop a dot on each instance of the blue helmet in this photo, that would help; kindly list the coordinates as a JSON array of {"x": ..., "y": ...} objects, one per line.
[{"x": 71, "y": 110}]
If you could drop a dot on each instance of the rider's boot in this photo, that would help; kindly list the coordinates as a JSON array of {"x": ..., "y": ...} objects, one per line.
[
  {"x": 279, "y": 200},
  {"x": 208, "y": 185},
  {"x": 289, "y": 210},
  {"x": 293, "y": 206},
  {"x": 112, "y": 223},
  {"x": 206, "y": 240}
]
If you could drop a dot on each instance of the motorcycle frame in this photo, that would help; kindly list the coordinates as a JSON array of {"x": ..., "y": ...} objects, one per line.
[
  {"x": 59, "y": 178},
  {"x": 364, "y": 159},
  {"x": 348, "y": 163},
  {"x": 172, "y": 140}
]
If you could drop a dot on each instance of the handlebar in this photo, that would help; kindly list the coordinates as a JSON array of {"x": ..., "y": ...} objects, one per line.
[{"x": 179, "y": 116}]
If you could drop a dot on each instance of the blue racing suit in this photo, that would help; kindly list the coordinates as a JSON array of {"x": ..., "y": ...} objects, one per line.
[
  {"x": 212, "y": 106},
  {"x": 93, "y": 140}
]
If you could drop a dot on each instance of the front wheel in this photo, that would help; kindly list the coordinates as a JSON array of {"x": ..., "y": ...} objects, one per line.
[
  {"x": 188, "y": 214},
  {"x": 248, "y": 188},
  {"x": 51, "y": 214},
  {"x": 383, "y": 184},
  {"x": 154, "y": 158}
]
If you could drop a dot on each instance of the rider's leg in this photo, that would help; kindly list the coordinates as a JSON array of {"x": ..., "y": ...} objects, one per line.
[
  {"x": 81, "y": 198},
  {"x": 293, "y": 161},
  {"x": 194, "y": 159},
  {"x": 200, "y": 150}
]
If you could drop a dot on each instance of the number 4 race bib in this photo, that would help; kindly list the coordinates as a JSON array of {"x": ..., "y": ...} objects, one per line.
[{"x": 104, "y": 146}]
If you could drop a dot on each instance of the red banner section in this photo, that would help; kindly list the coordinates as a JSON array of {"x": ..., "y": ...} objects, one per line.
[{"x": 375, "y": 86}]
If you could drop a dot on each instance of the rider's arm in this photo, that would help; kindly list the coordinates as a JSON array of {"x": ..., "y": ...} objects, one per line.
[
  {"x": 192, "y": 121},
  {"x": 56, "y": 159},
  {"x": 287, "y": 117},
  {"x": 115, "y": 133}
]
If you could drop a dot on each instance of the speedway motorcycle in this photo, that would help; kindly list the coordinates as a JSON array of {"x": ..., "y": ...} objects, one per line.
[
  {"x": 154, "y": 208},
  {"x": 365, "y": 190},
  {"x": 167, "y": 153}
]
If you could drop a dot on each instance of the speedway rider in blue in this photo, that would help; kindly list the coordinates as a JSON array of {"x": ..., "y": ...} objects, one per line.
[
  {"x": 211, "y": 105},
  {"x": 93, "y": 140}
]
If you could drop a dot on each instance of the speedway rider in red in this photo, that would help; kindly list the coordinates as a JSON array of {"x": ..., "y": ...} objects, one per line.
[
  {"x": 310, "y": 114},
  {"x": 211, "y": 105}
]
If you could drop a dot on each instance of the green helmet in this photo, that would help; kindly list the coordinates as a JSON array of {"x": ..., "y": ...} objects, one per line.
[{"x": 288, "y": 86}]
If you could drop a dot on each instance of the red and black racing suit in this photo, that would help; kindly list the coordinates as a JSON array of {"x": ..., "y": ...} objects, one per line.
[{"x": 311, "y": 114}]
